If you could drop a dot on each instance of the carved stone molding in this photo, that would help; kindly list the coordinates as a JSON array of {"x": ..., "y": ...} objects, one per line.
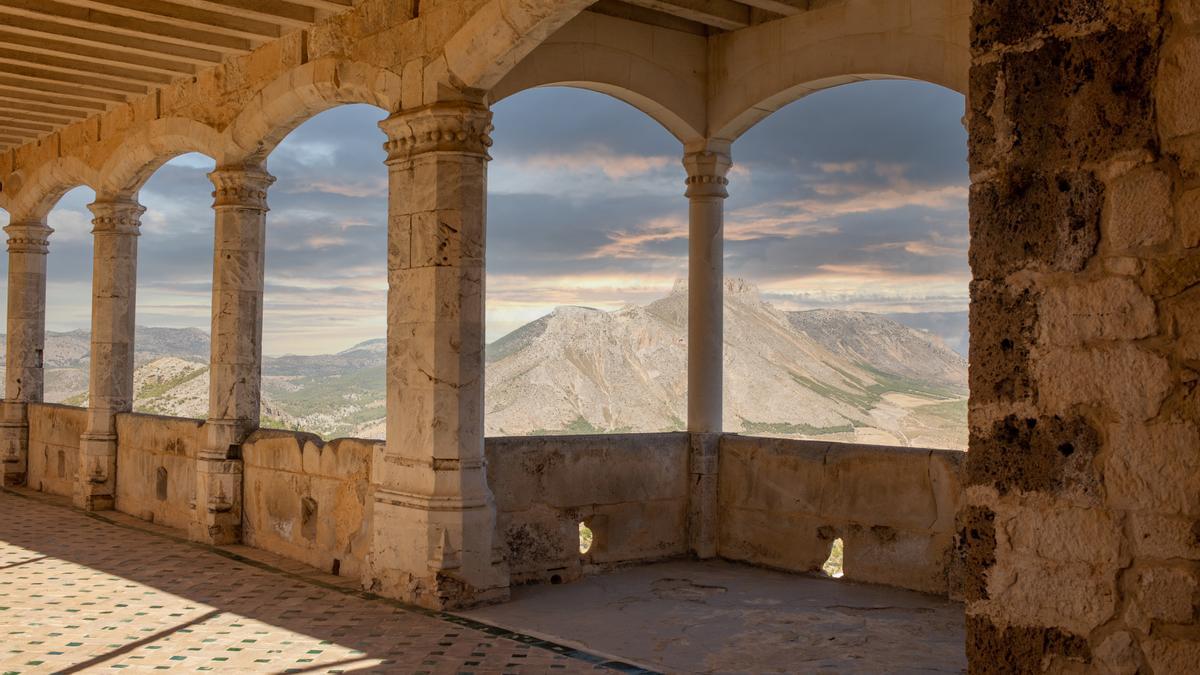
[
  {"x": 462, "y": 128},
  {"x": 707, "y": 172},
  {"x": 241, "y": 187},
  {"x": 29, "y": 237},
  {"x": 122, "y": 216}
]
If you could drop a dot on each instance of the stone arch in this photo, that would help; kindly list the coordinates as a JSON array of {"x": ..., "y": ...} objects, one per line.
[
  {"x": 144, "y": 152},
  {"x": 37, "y": 194},
  {"x": 760, "y": 69},
  {"x": 495, "y": 39},
  {"x": 300, "y": 94},
  {"x": 602, "y": 54}
]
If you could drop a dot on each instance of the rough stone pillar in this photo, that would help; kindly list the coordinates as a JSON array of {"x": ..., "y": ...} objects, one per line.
[
  {"x": 1081, "y": 529},
  {"x": 434, "y": 516},
  {"x": 706, "y": 167},
  {"x": 110, "y": 386},
  {"x": 235, "y": 368},
  {"x": 28, "y": 243}
]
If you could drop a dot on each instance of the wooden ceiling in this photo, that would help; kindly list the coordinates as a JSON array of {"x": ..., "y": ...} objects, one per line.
[{"x": 64, "y": 60}]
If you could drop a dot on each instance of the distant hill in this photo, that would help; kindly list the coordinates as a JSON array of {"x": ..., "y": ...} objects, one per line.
[{"x": 827, "y": 374}]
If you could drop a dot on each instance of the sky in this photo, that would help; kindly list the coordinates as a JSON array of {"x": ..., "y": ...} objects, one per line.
[{"x": 851, "y": 198}]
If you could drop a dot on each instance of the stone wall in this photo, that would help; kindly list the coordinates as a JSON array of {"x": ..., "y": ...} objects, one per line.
[
  {"x": 307, "y": 500},
  {"x": 156, "y": 467},
  {"x": 630, "y": 490},
  {"x": 1082, "y": 529},
  {"x": 54, "y": 432},
  {"x": 783, "y": 502}
]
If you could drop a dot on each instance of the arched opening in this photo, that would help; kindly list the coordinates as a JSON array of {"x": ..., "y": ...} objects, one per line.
[
  {"x": 174, "y": 290},
  {"x": 846, "y": 268},
  {"x": 67, "y": 346},
  {"x": 326, "y": 277},
  {"x": 587, "y": 236}
]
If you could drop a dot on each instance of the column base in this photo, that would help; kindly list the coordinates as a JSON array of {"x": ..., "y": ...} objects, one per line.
[
  {"x": 703, "y": 457},
  {"x": 13, "y": 444},
  {"x": 434, "y": 555},
  {"x": 217, "y": 510},
  {"x": 14, "y": 452},
  {"x": 96, "y": 482}
]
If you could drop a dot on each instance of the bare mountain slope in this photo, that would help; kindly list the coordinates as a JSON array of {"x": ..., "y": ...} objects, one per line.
[{"x": 827, "y": 374}]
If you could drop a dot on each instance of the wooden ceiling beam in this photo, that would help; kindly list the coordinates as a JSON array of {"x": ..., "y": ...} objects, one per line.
[
  {"x": 62, "y": 105},
  {"x": 117, "y": 57},
  {"x": 723, "y": 14},
  {"x": 10, "y": 101},
  {"x": 13, "y": 123},
  {"x": 12, "y": 131},
  {"x": 70, "y": 66},
  {"x": 223, "y": 23},
  {"x": 98, "y": 84},
  {"x": 291, "y": 14},
  {"x": 163, "y": 31},
  {"x": 83, "y": 36},
  {"x": 21, "y": 112},
  {"x": 67, "y": 92},
  {"x": 776, "y": 6}
]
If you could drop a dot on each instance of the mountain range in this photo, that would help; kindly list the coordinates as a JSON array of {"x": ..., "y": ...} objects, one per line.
[{"x": 828, "y": 374}]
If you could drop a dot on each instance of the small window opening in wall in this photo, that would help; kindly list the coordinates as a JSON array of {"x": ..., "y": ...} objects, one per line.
[
  {"x": 308, "y": 518},
  {"x": 39, "y": 354},
  {"x": 62, "y": 464},
  {"x": 833, "y": 565},
  {"x": 585, "y": 538},
  {"x": 160, "y": 484},
  {"x": 337, "y": 567}
]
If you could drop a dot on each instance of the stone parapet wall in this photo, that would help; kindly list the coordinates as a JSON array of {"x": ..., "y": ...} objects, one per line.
[
  {"x": 782, "y": 503},
  {"x": 631, "y": 490},
  {"x": 54, "y": 432},
  {"x": 156, "y": 467},
  {"x": 308, "y": 500}
]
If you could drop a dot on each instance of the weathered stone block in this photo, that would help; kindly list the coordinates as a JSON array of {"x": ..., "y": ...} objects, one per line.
[
  {"x": 1188, "y": 215},
  {"x": 1003, "y": 322},
  {"x": 1154, "y": 467},
  {"x": 1109, "y": 309},
  {"x": 1047, "y": 454},
  {"x": 1177, "y": 87},
  {"x": 1019, "y": 649},
  {"x": 1030, "y": 219},
  {"x": 1138, "y": 210},
  {"x": 1168, "y": 594},
  {"x": 976, "y": 548},
  {"x": 1130, "y": 381}
]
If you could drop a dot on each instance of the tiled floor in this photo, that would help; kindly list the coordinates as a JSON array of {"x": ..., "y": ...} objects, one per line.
[{"x": 79, "y": 594}]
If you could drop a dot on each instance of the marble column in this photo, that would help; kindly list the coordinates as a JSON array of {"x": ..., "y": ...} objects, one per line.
[
  {"x": 28, "y": 243},
  {"x": 115, "y": 230},
  {"x": 706, "y": 192},
  {"x": 434, "y": 517},
  {"x": 240, "y": 206}
]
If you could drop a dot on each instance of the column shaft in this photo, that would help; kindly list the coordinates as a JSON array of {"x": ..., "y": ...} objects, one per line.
[
  {"x": 110, "y": 385},
  {"x": 235, "y": 368},
  {"x": 434, "y": 515},
  {"x": 28, "y": 243},
  {"x": 706, "y": 194}
]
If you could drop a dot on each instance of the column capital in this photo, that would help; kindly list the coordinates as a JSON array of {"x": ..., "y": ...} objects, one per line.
[
  {"x": 707, "y": 170},
  {"x": 458, "y": 127},
  {"x": 241, "y": 186},
  {"x": 30, "y": 236},
  {"x": 116, "y": 216}
]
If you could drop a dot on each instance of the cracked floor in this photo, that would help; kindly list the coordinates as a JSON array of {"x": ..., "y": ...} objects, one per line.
[{"x": 79, "y": 594}]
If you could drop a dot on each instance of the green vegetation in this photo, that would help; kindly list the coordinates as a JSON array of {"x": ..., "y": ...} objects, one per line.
[
  {"x": 155, "y": 389},
  {"x": 793, "y": 429},
  {"x": 954, "y": 412},
  {"x": 76, "y": 400},
  {"x": 579, "y": 426}
]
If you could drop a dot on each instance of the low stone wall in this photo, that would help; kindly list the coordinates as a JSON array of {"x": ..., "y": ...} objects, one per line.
[
  {"x": 54, "y": 432},
  {"x": 631, "y": 490},
  {"x": 783, "y": 502},
  {"x": 156, "y": 467},
  {"x": 308, "y": 500}
]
